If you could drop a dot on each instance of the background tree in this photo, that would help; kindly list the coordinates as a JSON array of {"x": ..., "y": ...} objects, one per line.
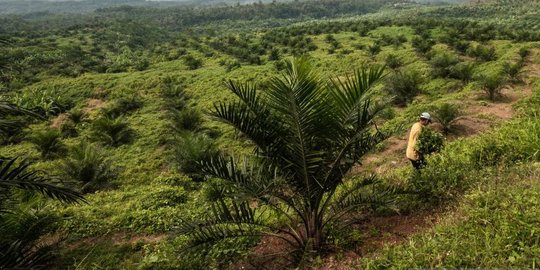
[
  {"x": 446, "y": 115},
  {"x": 492, "y": 84},
  {"x": 404, "y": 86}
]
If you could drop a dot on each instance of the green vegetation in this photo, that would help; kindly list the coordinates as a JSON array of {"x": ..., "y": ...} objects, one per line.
[
  {"x": 49, "y": 143},
  {"x": 88, "y": 166},
  {"x": 429, "y": 142},
  {"x": 111, "y": 131},
  {"x": 22, "y": 223},
  {"x": 120, "y": 103},
  {"x": 404, "y": 86},
  {"x": 308, "y": 134},
  {"x": 493, "y": 84},
  {"x": 447, "y": 114}
]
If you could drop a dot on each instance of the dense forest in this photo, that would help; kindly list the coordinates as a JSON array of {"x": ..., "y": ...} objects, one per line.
[{"x": 268, "y": 134}]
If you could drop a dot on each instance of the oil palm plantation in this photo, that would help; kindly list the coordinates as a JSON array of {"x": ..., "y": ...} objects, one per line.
[
  {"x": 20, "y": 230},
  {"x": 308, "y": 133}
]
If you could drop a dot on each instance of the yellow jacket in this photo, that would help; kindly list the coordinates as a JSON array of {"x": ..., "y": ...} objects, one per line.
[{"x": 413, "y": 136}]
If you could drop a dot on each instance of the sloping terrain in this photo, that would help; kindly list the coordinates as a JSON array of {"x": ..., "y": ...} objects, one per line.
[{"x": 154, "y": 81}]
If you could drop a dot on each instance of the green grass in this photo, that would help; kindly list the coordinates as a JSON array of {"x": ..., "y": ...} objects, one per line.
[{"x": 493, "y": 227}]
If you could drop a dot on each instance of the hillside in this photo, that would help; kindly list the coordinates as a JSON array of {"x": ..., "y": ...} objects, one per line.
[{"x": 123, "y": 106}]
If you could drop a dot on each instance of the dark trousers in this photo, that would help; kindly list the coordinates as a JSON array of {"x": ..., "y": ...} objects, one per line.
[{"x": 418, "y": 164}]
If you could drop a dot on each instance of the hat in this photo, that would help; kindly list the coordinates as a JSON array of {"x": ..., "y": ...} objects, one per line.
[{"x": 426, "y": 116}]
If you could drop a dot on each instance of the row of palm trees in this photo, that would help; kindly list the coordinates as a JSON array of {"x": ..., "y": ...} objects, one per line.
[
  {"x": 308, "y": 133},
  {"x": 19, "y": 245}
]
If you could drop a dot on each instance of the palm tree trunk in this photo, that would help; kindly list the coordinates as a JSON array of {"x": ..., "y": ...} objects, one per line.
[{"x": 313, "y": 232}]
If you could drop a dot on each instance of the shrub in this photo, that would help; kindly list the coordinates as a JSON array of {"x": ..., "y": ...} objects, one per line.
[
  {"x": 15, "y": 133},
  {"x": 462, "y": 46},
  {"x": 77, "y": 116},
  {"x": 393, "y": 62},
  {"x": 88, "y": 165},
  {"x": 232, "y": 65},
  {"x": 174, "y": 96},
  {"x": 483, "y": 53},
  {"x": 513, "y": 71},
  {"x": 374, "y": 49},
  {"x": 524, "y": 52},
  {"x": 429, "y": 142},
  {"x": 422, "y": 45},
  {"x": 49, "y": 143},
  {"x": 122, "y": 106},
  {"x": 492, "y": 84},
  {"x": 188, "y": 119},
  {"x": 446, "y": 115},
  {"x": 192, "y": 148},
  {"x": 462, "y": 71},
  {"x": 274, "y": 55},
  {"x": 442, "y": 64},
  {"x": 192, "y": 62},
  {"x": 404, "y": 86},
  {"x": 69, "y": 129},
  {"x": 112, "y": 132}
]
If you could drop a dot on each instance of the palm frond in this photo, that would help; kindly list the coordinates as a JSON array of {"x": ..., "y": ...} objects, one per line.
[
  {"x": 367, "y": 193},
  {"x": 16, "y": 255},
  {"x": 20, "y": 247},
  {"x": 7, "y": 108},
  {"x": 248, "y": 178},
  {"x": 19, "y": 176},
  {"x": 224, "y": 221},
  {"x": 300, "y": 102}
]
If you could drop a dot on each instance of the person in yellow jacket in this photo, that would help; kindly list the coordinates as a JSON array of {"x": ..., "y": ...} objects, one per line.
[{"x": 416, "y": 158}]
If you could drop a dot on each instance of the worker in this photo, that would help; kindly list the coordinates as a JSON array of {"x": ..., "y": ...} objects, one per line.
[{"x": 413, "y": 155}]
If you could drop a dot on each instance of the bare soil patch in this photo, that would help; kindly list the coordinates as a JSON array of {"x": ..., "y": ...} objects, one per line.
[
  {"x": 93, "y": 105},
  {"x": 376, "y": 231},
  {"x": 59, "y": 120}
]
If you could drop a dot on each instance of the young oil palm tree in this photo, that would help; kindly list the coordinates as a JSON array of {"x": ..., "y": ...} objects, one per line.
[{"x": 308, "y": 133}]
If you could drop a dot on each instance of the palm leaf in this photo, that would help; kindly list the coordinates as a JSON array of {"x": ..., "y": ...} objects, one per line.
[
  {"x": 224, "y": 221},
  {"x": 18, "y": 176},
  {"x": 7, "y": 109},
  {"x": 367, "y": 193}
]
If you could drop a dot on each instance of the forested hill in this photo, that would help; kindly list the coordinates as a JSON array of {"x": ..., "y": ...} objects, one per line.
[
  {"x": 57, "y": 7},
  {"x": 78, "y": 6},
  {"x": 179, "y": 18}
]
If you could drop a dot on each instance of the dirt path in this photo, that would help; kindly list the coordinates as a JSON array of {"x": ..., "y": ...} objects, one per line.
[
  {"x": 479, "y": 116},
  {"x": 374, "y": 232}
]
